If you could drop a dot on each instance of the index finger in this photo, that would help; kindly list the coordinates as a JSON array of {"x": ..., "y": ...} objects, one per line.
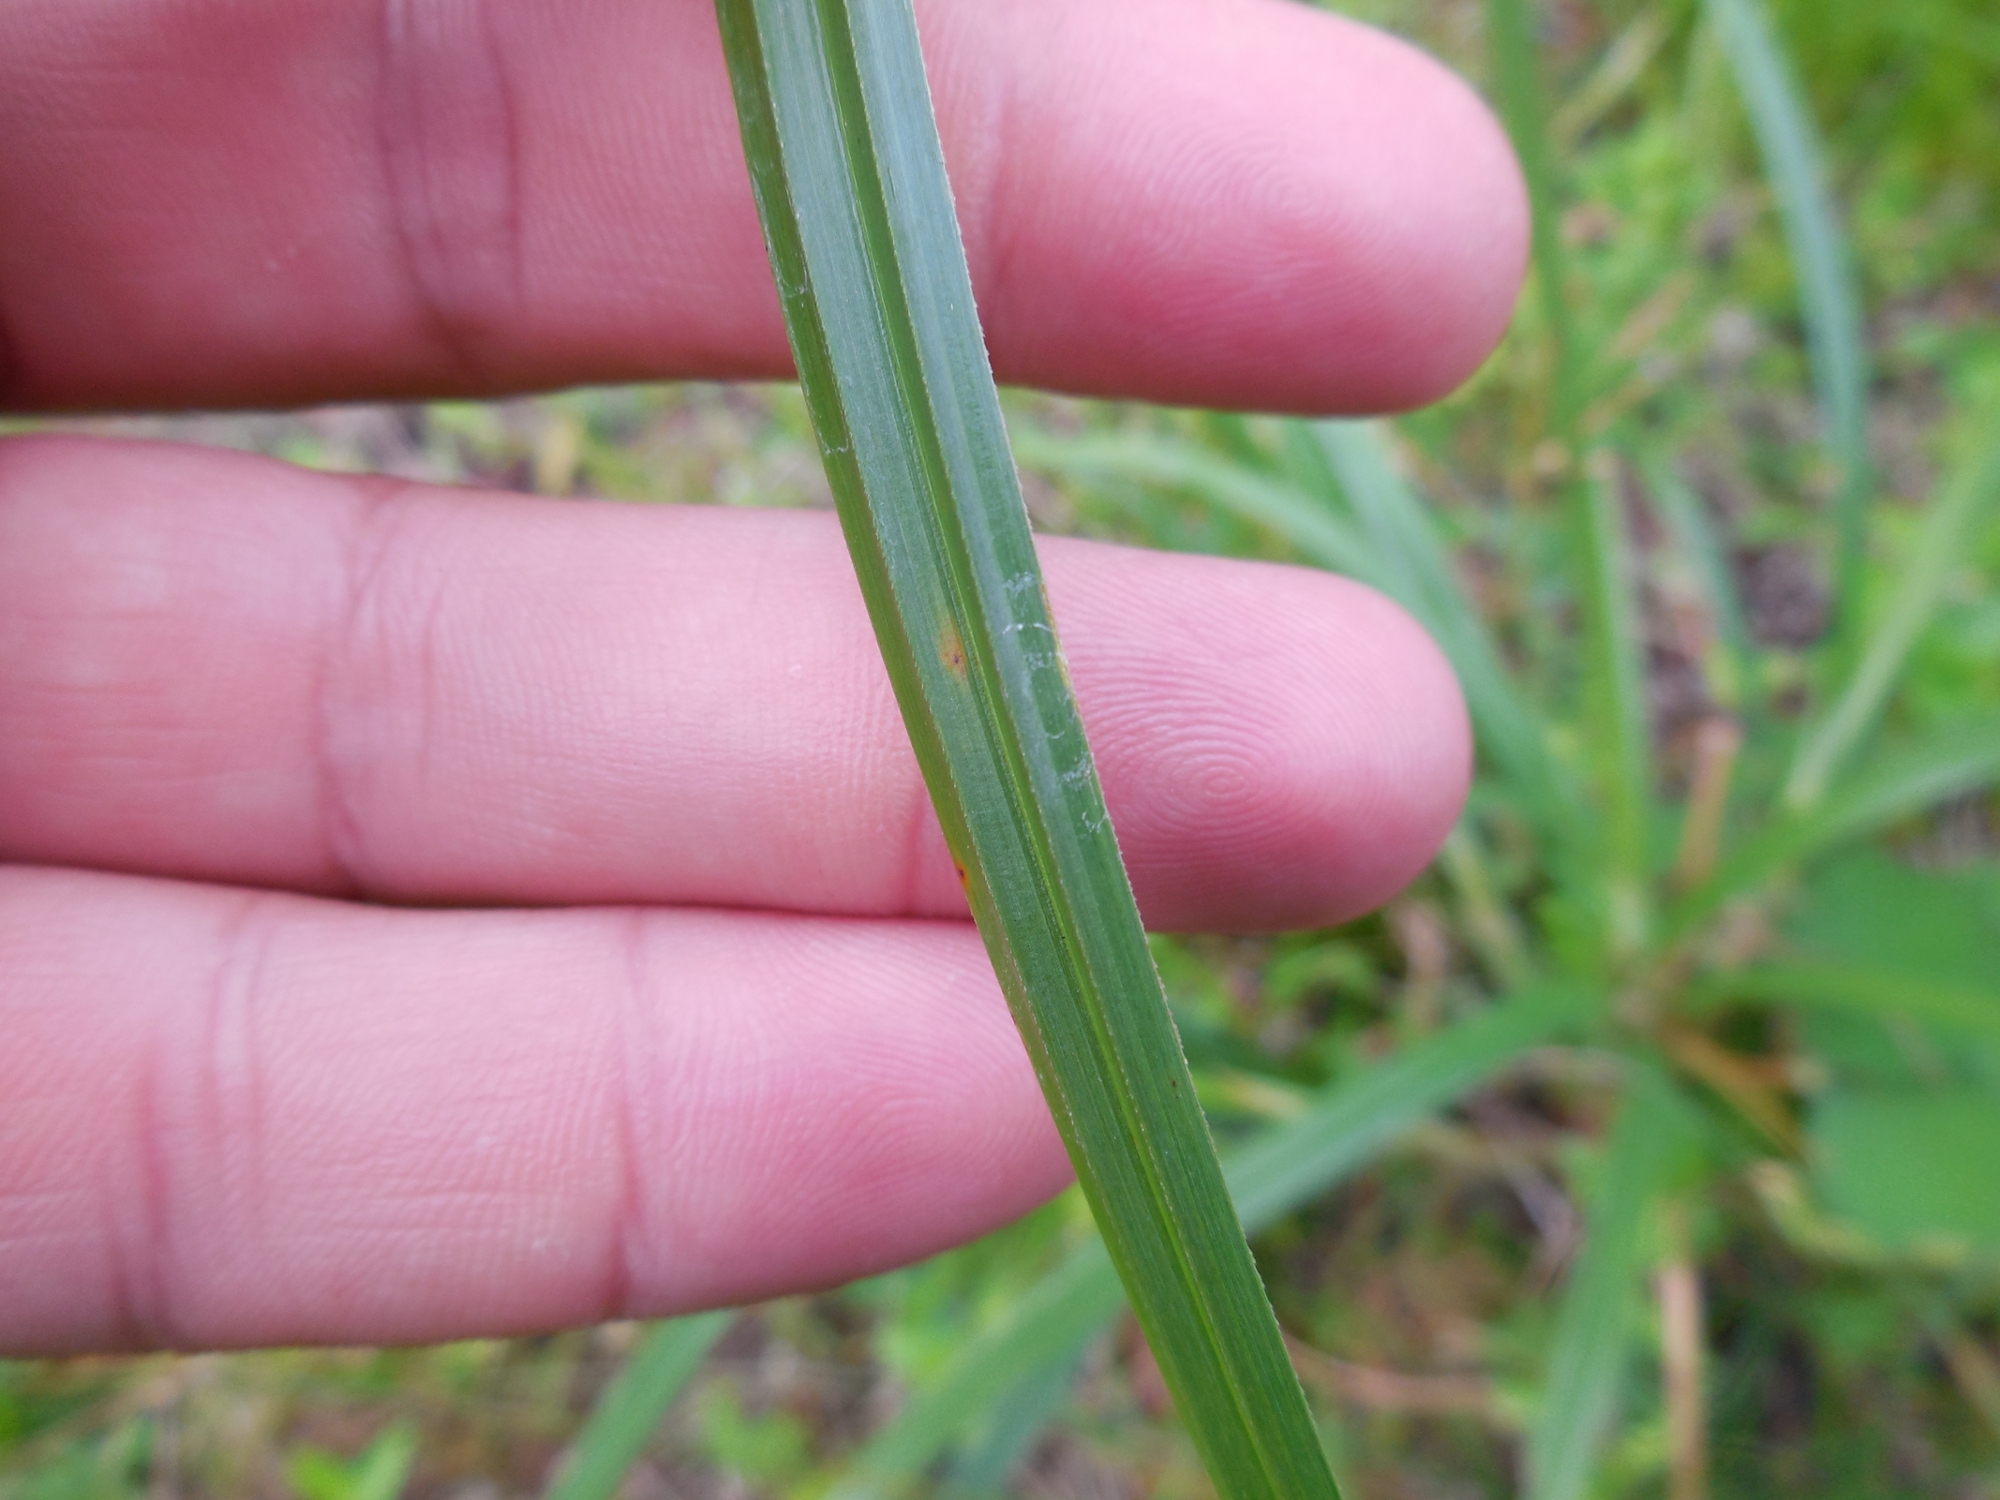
[{"x": 1216, "y": 202}]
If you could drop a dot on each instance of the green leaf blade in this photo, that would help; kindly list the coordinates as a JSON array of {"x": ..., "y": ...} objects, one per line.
[
  {"x": 1521, "y": 96},
  {"x": 1947, "y": 531},
  {"x": 1614, "y": 705},
  {"x": 1695, "y": 538},
  {"x": 1288, "y": 513},
  {"x": 1297, "y": 1161},
  {"x": 1070, "y": 1303},
  {"x": 1595, "y": 1330},
  {"x": 1887, "y": 994},
  {"x": 1916, "y": 778},
  {"x": 1829, "y": 302},
  {"x": 631, "y": 1407},
  {"x": 851, "y": 186}
]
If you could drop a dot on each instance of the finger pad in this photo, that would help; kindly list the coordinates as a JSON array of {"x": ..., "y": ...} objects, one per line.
[
  {"x": 239, "y": 1119},
  {"x": 1281, "y": 210}
]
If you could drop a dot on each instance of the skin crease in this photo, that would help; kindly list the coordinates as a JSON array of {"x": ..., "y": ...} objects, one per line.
[{"x": 427, "y": 913}]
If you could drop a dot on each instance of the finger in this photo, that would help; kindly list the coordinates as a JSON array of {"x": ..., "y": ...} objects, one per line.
[
  {"x": 220, "y": 667},
  {"x": 233, "y": 1119},
  {"x": 1222, "y": 202}
]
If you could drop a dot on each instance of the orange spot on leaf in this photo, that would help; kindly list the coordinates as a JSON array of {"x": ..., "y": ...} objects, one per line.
[{"x": 951, "y": 650}]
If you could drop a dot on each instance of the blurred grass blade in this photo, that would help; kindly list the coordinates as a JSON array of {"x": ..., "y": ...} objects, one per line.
[
  {"x": 1613, "y": 675},
  {"x": 1275, "y": 1174},
  {"x": 1492, "y": 929},
  {"x": 1938, "y": 551},
  {"x": 1233, "y": 434},
  {"x": 629, "y": 1411},
  {"x": 858, "y": 217},
  {"x": 1828, "y": 299},
  {"x": 1594, "y": 1334},
  {"x": 1911, "y": 781},
  {"x": 1014, "y": 1422},
  {"x": 1611, "y": 82},
  {"x": 1958, "y": 760},
  {"x": 1614, "y": 694},
  {"x": 1522, "y": 100},
  {"x": 1168, "y": 463},
  {"x": 1883, "y": 993},
  {"x": 1035, "y": 1340},
  {"x": 1298, "y": 1161},
  {"x": 1687, "y": 521},
  {"x": 380, "y": 1472},
  {"x": 1413, "y": 567}
]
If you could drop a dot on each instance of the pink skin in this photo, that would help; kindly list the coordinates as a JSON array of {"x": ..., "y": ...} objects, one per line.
[
  {"x": 243, "y": 1099},
  {"x": 1230, "y": 202}
]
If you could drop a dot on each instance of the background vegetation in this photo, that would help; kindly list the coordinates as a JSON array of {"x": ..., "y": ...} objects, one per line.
[{"x": 1650, "y": 1144}]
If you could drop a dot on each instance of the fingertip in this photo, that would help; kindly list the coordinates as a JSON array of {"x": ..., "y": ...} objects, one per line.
[
  {"x": 1290, "y": 755},
  {"x": 1380, "y": 752},
  {"x": 1255, "y": 205},
  {"x": 1456, "y": 268},
  {"x": 1391, "y": 221}
]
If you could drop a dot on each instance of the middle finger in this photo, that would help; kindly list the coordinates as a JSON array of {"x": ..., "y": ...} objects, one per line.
[{"x": 219, "y": 667}]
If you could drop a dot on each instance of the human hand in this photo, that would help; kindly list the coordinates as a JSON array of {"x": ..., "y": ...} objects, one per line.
[{"x": 278, "y": 744}]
